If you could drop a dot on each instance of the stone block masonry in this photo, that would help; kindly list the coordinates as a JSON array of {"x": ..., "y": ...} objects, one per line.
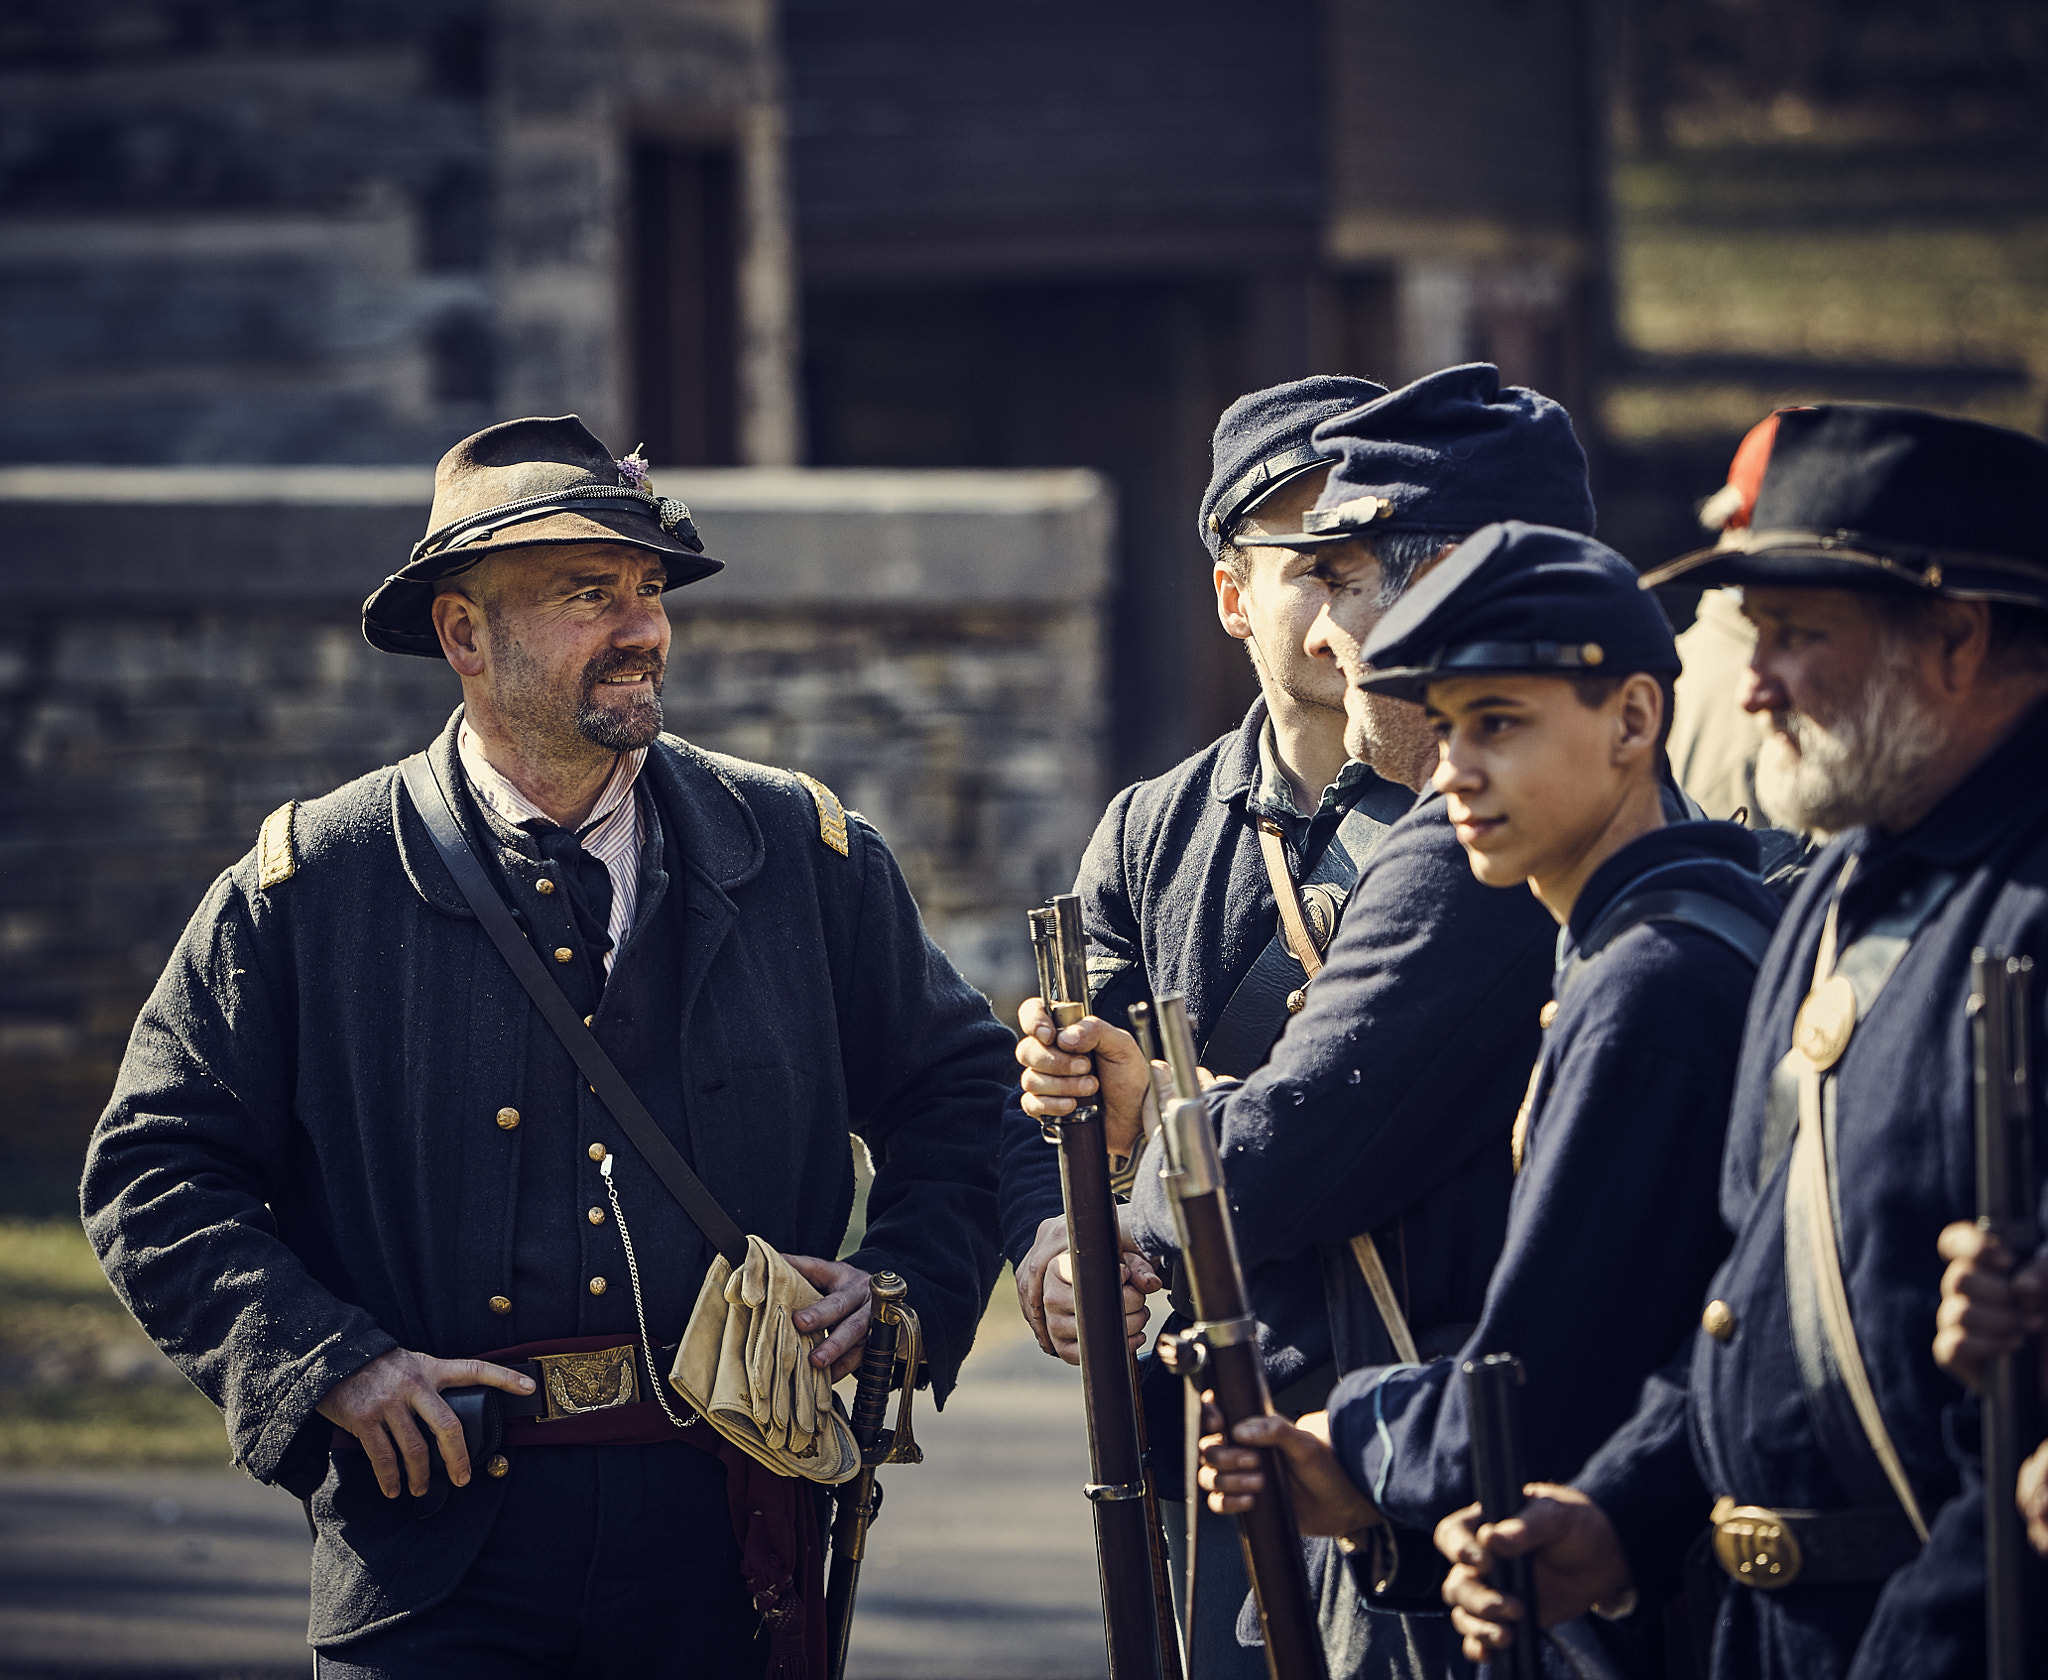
[{"x": 179, "y": 654}]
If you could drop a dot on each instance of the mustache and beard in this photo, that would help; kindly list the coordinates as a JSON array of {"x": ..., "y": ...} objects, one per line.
[
  {"x": 538, "y": 706},
  {"x": 1867, "y": 766}
]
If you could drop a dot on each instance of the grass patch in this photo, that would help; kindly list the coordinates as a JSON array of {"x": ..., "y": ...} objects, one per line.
[
  {"x": 1872, "y": 259},
  {"x": 43, "y": 1426},
  {"x": 80, "y": 1384}
]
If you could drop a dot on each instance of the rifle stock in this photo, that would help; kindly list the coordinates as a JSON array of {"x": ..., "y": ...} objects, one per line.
[
  {"x": 2015, "y": 1583},
  {"x": 1119, "y": 1491}
]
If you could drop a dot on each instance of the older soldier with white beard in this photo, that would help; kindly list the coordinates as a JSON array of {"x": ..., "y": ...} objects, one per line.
[{"x": 1895, "y": 564}]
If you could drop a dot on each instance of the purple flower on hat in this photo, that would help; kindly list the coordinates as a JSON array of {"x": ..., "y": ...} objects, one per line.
[{"x": 633, "y": 469}]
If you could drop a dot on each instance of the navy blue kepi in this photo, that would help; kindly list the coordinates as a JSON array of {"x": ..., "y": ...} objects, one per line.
[
  {"x": 1523, "y": 599},
  {"x": 1264, "y": 441},
  {"x": 1451, "y": 452}
]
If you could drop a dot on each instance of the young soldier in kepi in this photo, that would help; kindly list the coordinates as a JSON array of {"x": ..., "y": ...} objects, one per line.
[
  {"x": 1546, "y": 674},
  {"x": 1383, "y": 1111},
  {"x": 348, "y": 1165},
  {"x": 1896, "y": 566}
]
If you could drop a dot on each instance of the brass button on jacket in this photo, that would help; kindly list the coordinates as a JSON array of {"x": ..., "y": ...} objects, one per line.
[
  {"x": 543, "y": 885},
  {"x": 508, "y": 1118},
  {"x": 1718, "y": 1320},
  {"x": 597, "y": 1152},
  {"x": 501, "y": 1304},
  {"x": 598, "y": 1286},
  {"x": 595, "y": 1216},
  {"x": 563, "y": 954},
  {"x": 496, "y": 1465}
]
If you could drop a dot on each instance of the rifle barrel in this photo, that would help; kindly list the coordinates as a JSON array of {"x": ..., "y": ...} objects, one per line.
[
  {"x": 1125, "y": 1521},
  {"x": 1493, "y": 1388},
  {"x": 2015, "y": 1584},
  {"x": 1268, "y": 1532}
]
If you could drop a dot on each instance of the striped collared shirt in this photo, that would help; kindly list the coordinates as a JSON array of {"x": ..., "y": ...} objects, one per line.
[{"x": 613, "y": 833}]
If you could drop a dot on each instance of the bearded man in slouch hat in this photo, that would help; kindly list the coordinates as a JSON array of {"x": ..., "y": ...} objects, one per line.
[{"x": 349, "y": 1165}]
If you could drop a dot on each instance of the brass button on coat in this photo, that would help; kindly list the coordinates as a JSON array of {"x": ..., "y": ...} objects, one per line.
[
  {"x": 597, "y": 1152},
  {"x": 1297, "y": 1001},
  {"x": 598, "y": 1286},
  {"x": 595, "y": 1216},
  {"x": 496, "y": 1465},
  {"x": 543, "y": 885},
  {"x": 501, "y": 1304},
  {"x": 563, "y": 953},
  {"x": 508, "y": 1118},
  {"x": 1718, "y": 1320}
]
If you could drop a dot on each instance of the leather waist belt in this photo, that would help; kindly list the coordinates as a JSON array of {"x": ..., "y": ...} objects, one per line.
[
  {"x": 1766, "y": 1549},
  {"x": 588, "y": 1391}
]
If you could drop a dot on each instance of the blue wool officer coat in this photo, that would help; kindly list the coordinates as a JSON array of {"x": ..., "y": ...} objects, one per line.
[
  {"x": 1175, "y": 897},
  {"x": 1385, "y": 1107},
  {"x": 1613, "y": 1230},
  {"x": 338, "y": 1109},
  {"x": 1733, "y": 1420}
]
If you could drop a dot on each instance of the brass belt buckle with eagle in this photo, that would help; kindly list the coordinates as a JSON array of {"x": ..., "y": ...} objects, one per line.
[{"x": 595, "y": 1381}]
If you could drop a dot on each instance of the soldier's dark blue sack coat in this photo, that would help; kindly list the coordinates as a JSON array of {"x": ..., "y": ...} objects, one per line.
[
  {"x": 341, "y": 1127},
  {"x": 1908, "y": 504},
  {"x": 1613, "y": 1230},
  {"x": 1732, "y": 1420}
]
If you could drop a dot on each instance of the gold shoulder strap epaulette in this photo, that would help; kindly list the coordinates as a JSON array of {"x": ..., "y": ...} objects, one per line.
[
  {"x": 831, "y": 814},
  {"x": 276, "y": 861}
]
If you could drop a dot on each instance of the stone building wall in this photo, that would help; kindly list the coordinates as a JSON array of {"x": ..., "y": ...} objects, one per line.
[{"x": 179, "y": 654}]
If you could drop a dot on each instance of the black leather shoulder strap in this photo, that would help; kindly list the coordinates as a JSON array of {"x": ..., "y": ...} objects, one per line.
[
  {"x": 1746, "y": 935},
  {"x": 436, "y": 806}
]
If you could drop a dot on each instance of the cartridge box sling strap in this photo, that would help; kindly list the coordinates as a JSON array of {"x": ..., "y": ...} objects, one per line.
[
  {"x": 1272, "y": 987},
  {"x": 1640, "y": 903},
  {"x": 1840, "y": 1400},
  {"x": 436, "y": 804}
]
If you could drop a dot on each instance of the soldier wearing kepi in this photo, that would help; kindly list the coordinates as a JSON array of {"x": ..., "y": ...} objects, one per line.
[
  {"x": 1896, "y": 566},
  {"x": 348, "y": 1165},
  {"x": 1377, "y": 1128},
  {"x": 1546, "y": 673}
]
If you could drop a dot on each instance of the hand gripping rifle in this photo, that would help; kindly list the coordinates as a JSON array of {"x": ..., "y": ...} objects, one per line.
[
  {"x": 1137, "y": 1611},
  {"x": 2015, "y": 1585},
  {"x": 1221, "y": 1352},
  {"x": 889, "y": 1360}
]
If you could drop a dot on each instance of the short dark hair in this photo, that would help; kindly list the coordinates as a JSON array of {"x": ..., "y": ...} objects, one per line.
[
  {"x": 1401, "y": 554},
  {"x": 1595, "y": 692}
]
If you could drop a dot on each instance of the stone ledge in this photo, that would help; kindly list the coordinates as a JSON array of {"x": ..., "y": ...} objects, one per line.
[{"x": 166, "y": 537}]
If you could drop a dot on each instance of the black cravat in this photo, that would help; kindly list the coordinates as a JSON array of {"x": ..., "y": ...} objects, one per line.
[{"x": 585, "y": 879}]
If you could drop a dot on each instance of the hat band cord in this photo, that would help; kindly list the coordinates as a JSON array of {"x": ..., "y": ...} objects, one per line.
[
  {"x": 1897, "y": 559},
  {"x": 671, "y": 515}
]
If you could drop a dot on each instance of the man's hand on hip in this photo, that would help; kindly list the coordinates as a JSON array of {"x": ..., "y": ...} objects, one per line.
[
  {"x": 384, "y": 1404},
  {"x": 848, "y": 1304},
  {"x": 1057, "y": 1073}
]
